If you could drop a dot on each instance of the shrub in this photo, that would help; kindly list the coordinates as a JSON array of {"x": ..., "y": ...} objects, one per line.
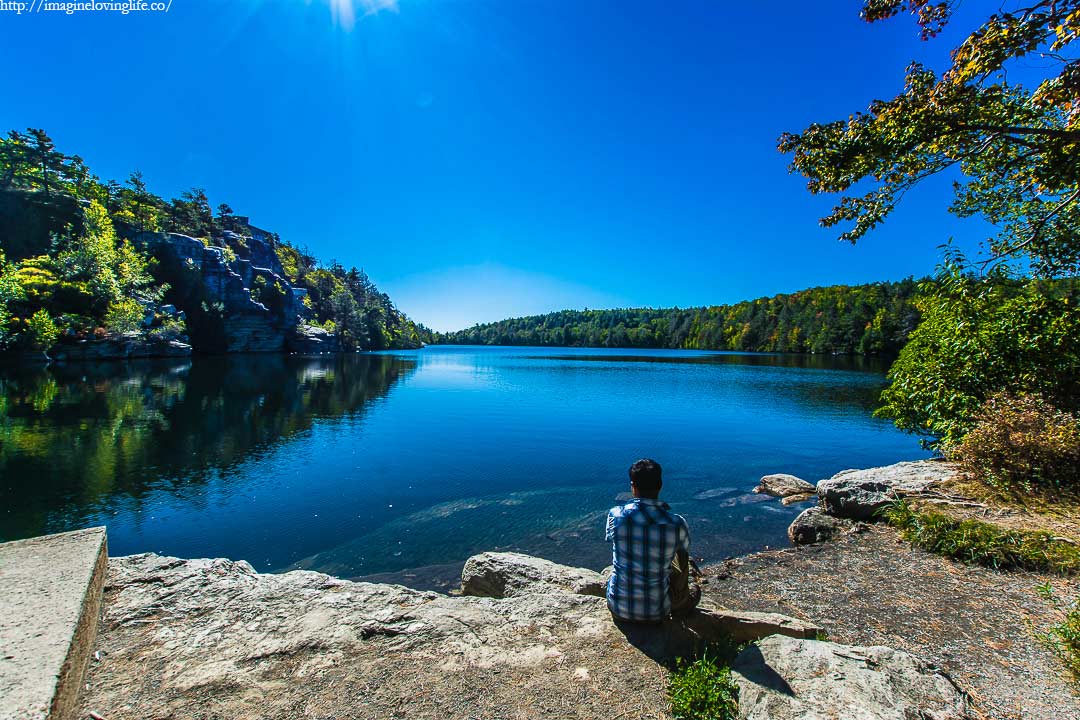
[
  {"x": 1063, "y": 639},
  {"x": 170, "y": 329},
  {"x": 979, "y": 337},
  {"x": 41, "y": 330},
  {"x": 979, "y": 543},
  {"x": 124, "y": 315},
  {"x": 1022, "y": 442},
  {"x": 703, "y": 690}
]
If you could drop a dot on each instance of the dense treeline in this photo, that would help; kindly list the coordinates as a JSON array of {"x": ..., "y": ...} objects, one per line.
[
  {"x": 864, "y": 319},
  {"x": 67, "y": 271}
]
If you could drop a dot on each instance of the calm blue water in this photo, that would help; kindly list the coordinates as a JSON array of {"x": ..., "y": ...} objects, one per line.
[{"x": 401, "y": 465}]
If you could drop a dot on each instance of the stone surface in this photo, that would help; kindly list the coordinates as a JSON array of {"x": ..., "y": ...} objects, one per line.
[
  {"x": 118, "y": 348},
  {"x": 249, "y": 326},
  {"x": 801, "y": 497},
  {"x": 212, "y": 638},
  {"x": 814, "y": 525},
  {"x": 50, "y": 600},
  {"x": 310, "y": 340},
  {"x": 745, "y": 626},
  {"x": 860, "y": 494},
  {"x": 783, "y": 678},
  {"x": 503, "y": 574},
  {"x": 782, "y": 485}
]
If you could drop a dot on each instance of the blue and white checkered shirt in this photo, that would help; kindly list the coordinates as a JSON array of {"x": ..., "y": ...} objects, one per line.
[{"x": 644, "y": 536}]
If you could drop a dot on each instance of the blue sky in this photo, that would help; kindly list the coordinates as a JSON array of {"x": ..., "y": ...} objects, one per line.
[{"x": 491, "y": 158}]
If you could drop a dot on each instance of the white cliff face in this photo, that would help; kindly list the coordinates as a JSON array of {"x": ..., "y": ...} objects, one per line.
[{"x": 213, "y": 638}]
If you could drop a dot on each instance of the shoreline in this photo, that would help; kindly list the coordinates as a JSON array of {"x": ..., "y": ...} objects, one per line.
[{"x": 215, "y": 638}]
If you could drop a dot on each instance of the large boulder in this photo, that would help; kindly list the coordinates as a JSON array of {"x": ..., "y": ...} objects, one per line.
[
  {"x": 861, "y": 494},
  {"x": 503, "y": 574},
  {"x": 782, "y": 485},
  {"x": 814, "y": 525},
  {"x": 783, "y": 678}
]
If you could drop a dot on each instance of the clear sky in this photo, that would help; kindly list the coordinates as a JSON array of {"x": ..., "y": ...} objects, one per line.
[{"x": 491, "y": 158}]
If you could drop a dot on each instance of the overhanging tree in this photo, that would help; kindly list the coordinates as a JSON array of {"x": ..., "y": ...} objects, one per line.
[
  {"x": 1017, "y": 148},
  {"x": 1014, "y": 151}
]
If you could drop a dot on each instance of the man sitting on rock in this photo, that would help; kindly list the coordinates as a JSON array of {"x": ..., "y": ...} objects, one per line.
[{"x": 650, "y": 553}]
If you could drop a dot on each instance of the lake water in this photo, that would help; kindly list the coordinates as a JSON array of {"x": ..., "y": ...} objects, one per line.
[{"x": 399, "y": 466}]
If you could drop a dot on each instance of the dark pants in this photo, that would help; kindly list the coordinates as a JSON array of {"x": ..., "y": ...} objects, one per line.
[{"x": 685, "y": 594}]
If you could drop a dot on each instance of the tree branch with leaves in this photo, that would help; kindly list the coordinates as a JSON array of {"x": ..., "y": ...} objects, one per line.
[{"x": 1017, "y": 149}]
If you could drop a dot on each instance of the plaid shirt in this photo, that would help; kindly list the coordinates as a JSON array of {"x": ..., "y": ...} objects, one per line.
[{"x": 644, "y": 536}]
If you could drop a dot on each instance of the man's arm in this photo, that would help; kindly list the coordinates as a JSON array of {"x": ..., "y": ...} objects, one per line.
[{"x": 684, "y": 537}]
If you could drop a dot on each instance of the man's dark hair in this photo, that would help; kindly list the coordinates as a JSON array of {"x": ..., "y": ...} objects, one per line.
[{"x": 645, "y": 476}]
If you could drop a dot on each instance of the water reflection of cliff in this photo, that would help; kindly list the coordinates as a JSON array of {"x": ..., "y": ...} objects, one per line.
[{"x": 73, "y": 437}]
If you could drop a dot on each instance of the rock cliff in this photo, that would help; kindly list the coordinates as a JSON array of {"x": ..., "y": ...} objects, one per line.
[{"x": 234, "y": 304}]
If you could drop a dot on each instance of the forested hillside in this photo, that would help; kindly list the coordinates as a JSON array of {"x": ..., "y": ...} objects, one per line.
[
  {"x": 85, "y": 259},
  {"x": 864, "y": 319}
]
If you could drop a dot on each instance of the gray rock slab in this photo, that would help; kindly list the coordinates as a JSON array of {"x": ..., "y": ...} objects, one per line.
[
  {"x": 783, "y": 678},
  {"x": 503, "y": 574},
  {"x": 50, "y": 602},
  {"x": 860, "y": 494}
]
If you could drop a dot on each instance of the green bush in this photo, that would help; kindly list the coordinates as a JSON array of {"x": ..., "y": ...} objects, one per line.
[
  {"x": 1022, "y": 442},
  {"x": 979, "y": 543},
  {"x": 41, "y": 330},
  {"x": 170, "y": 329},
  {"x": 703, "y": 690},
  {"x": 124, "y": 315},
  {"x": 1063, "y": 639},
  {"x": 979, "y": 337}
]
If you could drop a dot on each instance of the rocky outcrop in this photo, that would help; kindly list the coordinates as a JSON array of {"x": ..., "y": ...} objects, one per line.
[
  {"x": 249, "y": 325},
  {"x": 311, "y": 340},
  {"x": 213, "y": 637},
  {"x": 782, "y": 485},
  {"x": 123, "y": 347},
  {"x": 501, "y": 575},
  {"x": 814, "y": 525},
  {"x": 861, "y": 494},
  {"x": 783, "y": 678}
]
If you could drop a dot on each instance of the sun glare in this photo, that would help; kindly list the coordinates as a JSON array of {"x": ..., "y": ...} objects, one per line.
[{"x": 345, "y": 12}]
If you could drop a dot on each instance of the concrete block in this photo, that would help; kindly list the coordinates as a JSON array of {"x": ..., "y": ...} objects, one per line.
[{"x": 50, "y": 602}]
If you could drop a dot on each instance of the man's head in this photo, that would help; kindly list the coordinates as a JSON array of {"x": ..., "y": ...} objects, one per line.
[{"x": 645, "y": 478}]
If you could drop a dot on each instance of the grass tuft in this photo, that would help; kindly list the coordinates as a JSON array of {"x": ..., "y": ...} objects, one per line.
[
  {"x": 1063, "y": 639},
  {"x": 980, "y": 543},
  {"x": 703, "y": 690}
]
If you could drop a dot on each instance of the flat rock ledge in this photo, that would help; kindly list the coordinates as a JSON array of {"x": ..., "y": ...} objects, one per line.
[
  {"x": 213, "y": 638},
  {"x": 783, "y": 678}
]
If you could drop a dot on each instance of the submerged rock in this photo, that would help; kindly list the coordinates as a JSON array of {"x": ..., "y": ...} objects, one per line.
[
  {"x": 782, "y": 485},
  {"x": 783, "y": 678},
  {"x": 861, "y": 494}
]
